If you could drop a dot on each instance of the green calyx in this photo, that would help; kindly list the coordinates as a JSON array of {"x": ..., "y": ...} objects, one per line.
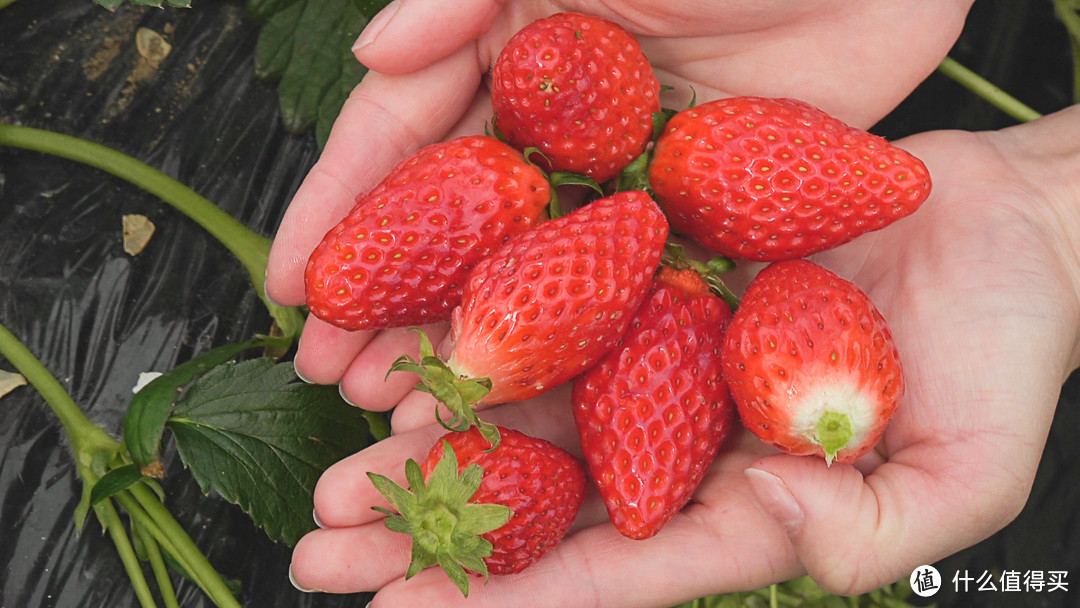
[
  {"x": 711, "y": 270},
  {"x": 445, "y": 527},
  {"x": 457, "y": 394},
  {"x": 833, "y": 432},
  {"x": 635, "y": 176}
]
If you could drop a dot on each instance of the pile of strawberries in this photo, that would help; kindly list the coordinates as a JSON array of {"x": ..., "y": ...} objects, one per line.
[{"x": 468, "y": 230}]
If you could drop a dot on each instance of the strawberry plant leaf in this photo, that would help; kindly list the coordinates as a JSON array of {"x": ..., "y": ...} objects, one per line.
[
  {"x": 144, "y": 421},
  {"x": 116, "y": 480},
  {"x": 306, "y": 46},
  {"x": 115, "y": 4},
  {"x": 260, "y": 438}
]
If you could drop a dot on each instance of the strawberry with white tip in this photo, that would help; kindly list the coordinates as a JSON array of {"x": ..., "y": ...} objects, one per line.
[{"x": 811, "y": 363}]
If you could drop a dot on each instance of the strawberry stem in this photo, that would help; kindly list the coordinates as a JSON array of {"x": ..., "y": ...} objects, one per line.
[
  {"x": 457, "y": 394},
  {"x": 833, "y": 433}
]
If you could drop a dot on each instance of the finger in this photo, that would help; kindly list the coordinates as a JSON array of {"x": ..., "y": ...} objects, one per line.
[
  {"x": 389, "y": 43},
  {"x": 385, "y": 119},
  {"x": 344, "y": 494},
  {"x": 324, "y": 351},
  {"x": 418, "y": 409},
  {"x": 368, "y": 381},
  {"x": 693, "y": 556},
  {"x": 854, "y": 534},
  {"x": 349, "y": 560}
]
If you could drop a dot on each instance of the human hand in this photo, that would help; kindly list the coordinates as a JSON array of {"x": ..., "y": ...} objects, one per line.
[
  {"x": 980, "y": 288},
  {"x": 854, "y": 61}
]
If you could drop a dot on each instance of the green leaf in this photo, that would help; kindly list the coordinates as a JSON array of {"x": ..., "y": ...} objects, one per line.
[
  {"x": 264, "y": 9},
  {"x": 115, "y": 4},
  {"x": 261, "y": 439},
  {"x": 307, "y": 44},
  {"x": 144, "y": 421},
  {"x": 116, "y": 480}
]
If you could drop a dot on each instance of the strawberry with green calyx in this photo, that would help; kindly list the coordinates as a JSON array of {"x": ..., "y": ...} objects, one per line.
[
  {"x": 481, "y": 509},
  {"x": 773, "y": 179},
  {"x": 811, "y": 363},
  {"x": 580, "y": 89},
  {"x": 458, "y": 394},
  {"x": 548, "y": 304},
  {"x": 402, "y": 254},
  {"x": 709, "y": 270},
  {"x": 654, "y": 411}
]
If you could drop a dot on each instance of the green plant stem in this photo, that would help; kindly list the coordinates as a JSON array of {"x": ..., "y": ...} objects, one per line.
[
  {"x": 143, "y": 519},
  {"x": 94, "y": 450},
  {"x": 987, "y": 90},
  {"x": 157, "y": 565},
  {"x": 93, "y": 447},
  {"x": 1066, "y": 12},
  {"x": 186, "y": 550},
  {"x": 109, "y": 519},
  {"x": 6, "y": 3},
  {"x": 249, "y": 247}
]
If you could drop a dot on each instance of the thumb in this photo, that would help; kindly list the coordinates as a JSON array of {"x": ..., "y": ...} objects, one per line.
[
  {"x": 410, "y": 34},
  {"x": 854, "y": 534}
]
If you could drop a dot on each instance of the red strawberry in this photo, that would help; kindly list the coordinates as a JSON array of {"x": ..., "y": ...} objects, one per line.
[
  {"x": 487, "y": 511},
  {"x": 580, "y": 90},
  {"x": 811, "y": 363},
  {"x": 653, "y": 412},
  {"x": 547, "y": 305},
  {"x": 402, "y": 254},
  {"x": 774, "y": 179}
]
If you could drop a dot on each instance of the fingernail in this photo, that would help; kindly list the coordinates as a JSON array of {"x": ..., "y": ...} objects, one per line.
[
  {"x": 315, "y": 517},
  {"x": 292, "y": 579},
  {"x": 376, "y": 25},
  {"x": 341, "y": 391},
  {"x": 774, "y": 496},
  {"x": 301, "y": 375}
]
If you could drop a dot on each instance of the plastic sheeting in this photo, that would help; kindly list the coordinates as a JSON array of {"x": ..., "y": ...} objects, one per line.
[{"x": 98, "y": 317}]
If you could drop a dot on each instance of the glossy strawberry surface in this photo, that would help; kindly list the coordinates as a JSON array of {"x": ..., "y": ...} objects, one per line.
[
  {"x": 654, "y": 411},
  {"x": 773, "y": 179},
  {"x": 579, "y": 89},
  {"x": 553, "y": 300},
  {"x": 812, "y": 363},
  {"x": 402, "y": 254}
]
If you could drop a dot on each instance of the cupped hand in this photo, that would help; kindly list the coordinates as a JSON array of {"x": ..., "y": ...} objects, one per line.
[
  {"x": 428, "y": 60},
  {"x": 981, "y": 288}
]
